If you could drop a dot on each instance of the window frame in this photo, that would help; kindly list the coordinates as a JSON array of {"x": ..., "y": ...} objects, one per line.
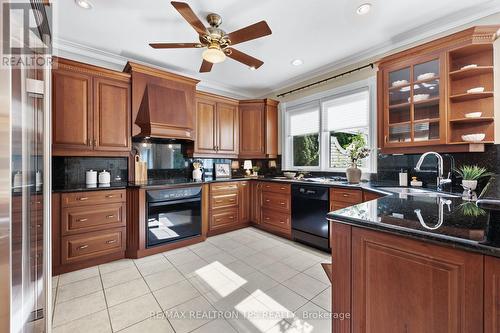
[{"x": 288, "y": 108}]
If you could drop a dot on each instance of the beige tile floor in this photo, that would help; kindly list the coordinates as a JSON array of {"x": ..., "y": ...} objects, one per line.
[{"x": 242, "y": 281}]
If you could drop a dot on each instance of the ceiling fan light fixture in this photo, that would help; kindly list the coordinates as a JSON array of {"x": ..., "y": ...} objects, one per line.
[{"x": 214, "y": 55}]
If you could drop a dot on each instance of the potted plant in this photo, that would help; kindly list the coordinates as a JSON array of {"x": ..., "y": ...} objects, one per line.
[
  {"x": 470, "y": 174},
  {"x": 356, "y": 151}
]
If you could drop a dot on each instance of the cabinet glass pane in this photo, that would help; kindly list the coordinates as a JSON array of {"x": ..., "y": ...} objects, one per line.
[
  {"x": 399, "y": 96},
  {"x": 399, "y": 133},
  {"x": 426, "y": 90},
  {"x": 426, "y": 110},
  {"x": 399, "y": 77},
  {"x": 426, "y": 70},
  {"x": 399, "y": 114},
  {"x": 426, "y": 131}
]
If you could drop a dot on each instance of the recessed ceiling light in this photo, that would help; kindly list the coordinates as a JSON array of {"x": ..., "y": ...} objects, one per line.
[
  {"x": 297, "y": 62},
  {"x": 85, "y": 4},
  {"x": 364, "y": 9}
]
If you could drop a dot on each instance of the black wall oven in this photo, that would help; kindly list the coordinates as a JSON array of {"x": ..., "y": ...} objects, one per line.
[{"x": 172, "y": 215}]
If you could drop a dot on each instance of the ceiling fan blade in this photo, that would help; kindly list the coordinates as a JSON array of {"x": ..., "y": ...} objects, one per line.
[
  {"x": 174, "y": 45},
  {"x": 188, "y": 14},
  {"x": 244, "y": 58},
  {"x": 253, "y": 31},
  {"x": 206, "y": 66}
]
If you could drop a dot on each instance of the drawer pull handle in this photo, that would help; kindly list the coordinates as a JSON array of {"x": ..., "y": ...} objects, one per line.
[
  {"x": 110, "y": 196},
  {"x": 267, "y": 218},
  {"x": 110, "y": 216},
  {"x": 82, "y": 220},
  {"x": 217, "y": 220},
  {"x": 282, "y": 203},
  {"x": 282, "y": 188},
  {"x": 38, "y": 202},
  {"x": 38, "y": 225},
  {"x": 218, "y": 201},
  {"x": 83, "y": 247},
  {"x": 83, "y": 198},
  {"x": 345, "y": 195},
  {"x": 111, "y": 241},
  {"x": 231, "y": 200},
  {"x": 267, "y": 200},
  {"x": 231, "y": 217}
]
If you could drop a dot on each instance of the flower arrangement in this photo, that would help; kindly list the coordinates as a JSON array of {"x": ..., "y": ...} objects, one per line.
[{"x": 357, "y": 149}]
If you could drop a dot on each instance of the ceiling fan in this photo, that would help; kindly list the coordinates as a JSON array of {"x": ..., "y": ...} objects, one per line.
[{"x": 216, "y": 41}]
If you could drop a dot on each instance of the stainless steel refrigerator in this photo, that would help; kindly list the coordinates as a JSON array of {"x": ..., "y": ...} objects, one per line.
[{"x": 25, "y": 274}]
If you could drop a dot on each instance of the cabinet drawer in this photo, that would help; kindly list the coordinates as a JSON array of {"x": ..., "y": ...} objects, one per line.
[
  {"x": 224, "y": 187},
  {"x": 276, "y": 188},
  {"x": 224, "y": 218},
  {"x": 276, "y": 219},
  {"x": 346, "y": 195},
  {"x": 93, "y": 244},
  {"x": 276, "y": 201},
  {"x": 83, "y": 219},
  {"x": 92, "y": 198},
  {"x": 224, "y": 200}
]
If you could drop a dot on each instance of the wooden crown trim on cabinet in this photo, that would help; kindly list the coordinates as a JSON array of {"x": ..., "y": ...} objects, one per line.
[
  {"x": 80, "y": 67},
  {"x": 135, "y": 67}
]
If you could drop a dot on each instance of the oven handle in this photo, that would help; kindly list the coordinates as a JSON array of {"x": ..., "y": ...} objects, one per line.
[{"x": 172, "y": 202}]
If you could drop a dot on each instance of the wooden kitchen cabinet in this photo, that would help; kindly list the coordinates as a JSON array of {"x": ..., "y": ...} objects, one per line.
[
  {"x": 422, "y": 94},
  {"x": 395, "y": 284},
  {"x": 244, "y": 191},
  {"x": 275, "y": 208},
  {"x": 258, "y": 128},
  {"x": 91, "y": 110},
  {"x": 491, "y": 295},
  {"x": 227, "y": 209},
  {"x": 88, "y": 228},
  {"x": 217, "y": 126}
]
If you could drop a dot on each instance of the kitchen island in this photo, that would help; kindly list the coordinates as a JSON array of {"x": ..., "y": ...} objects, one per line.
[{"x": 405, "y": 263}]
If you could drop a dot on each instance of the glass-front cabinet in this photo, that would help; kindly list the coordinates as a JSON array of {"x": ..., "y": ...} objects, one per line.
[{"x": 414, "y": 103}]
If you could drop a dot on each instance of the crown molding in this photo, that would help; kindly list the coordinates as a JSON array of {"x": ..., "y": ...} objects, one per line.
[
  {"x": 67, "y": 49},
  {"x": 438, "y": 28}
]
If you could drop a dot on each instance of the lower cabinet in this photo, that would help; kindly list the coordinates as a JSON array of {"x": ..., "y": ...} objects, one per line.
[
  {"x": 275, "y": 208},
  {"x": 395, "y": 284},
  {"x": 229, "y": 206},
  {"x": 89, "y": 228},
  {"x": 491, "y": 295}
]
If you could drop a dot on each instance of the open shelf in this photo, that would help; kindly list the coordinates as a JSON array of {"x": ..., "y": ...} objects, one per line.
[
  {"x": 468, "y": 72},
  {"x": 430, "y": 101},
  {"x": 470, "y": 96},
  {"x": 397, "y": 106},
  {"x": 472, "y": 120}
]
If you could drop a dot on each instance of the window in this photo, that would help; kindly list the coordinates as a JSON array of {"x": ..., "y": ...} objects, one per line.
[
  {"x": 319, "y": 128},
  {"x": 304, "y": 135}
]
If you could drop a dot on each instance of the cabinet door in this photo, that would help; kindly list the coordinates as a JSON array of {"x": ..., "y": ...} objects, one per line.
[
  {"x": 245, "y": 200},
  {"x": 205, "y": 126},
  {"x": 227, "y": 129},
  {"x": 252, "y": 130},
  {"x": 256, "y": 202},
  {"x": 491, "y": 295},
  {"x": 271, "y": 149},
  {"x": 403, "y": 285},
  {"x": 111, "y": 115},
  {"x": 71, "y": 111}
]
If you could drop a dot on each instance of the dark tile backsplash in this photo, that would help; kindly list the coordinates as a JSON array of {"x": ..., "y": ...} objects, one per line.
[{"x": 71, "y": 170}]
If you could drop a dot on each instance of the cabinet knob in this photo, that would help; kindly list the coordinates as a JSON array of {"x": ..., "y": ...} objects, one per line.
[
  {"x": 110, "y": 196},
  {"x": 83, "y": 247},
  {"x": 82, "y": 220},
  {"x": 110, "y": 216},
  {"x": 83, "y": 198},
  {"x": 111, "y": 241}
]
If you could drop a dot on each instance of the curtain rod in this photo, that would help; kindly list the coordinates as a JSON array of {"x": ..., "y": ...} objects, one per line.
[{"x": 325, "y": 80}]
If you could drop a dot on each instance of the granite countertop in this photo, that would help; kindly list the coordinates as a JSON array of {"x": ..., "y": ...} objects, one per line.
[
  {"x": 84, "y": 188},
  {"x": 449, "y": 221}
]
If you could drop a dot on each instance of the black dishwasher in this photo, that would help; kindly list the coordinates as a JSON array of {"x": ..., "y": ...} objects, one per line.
[{"x": 310, "y": 204}]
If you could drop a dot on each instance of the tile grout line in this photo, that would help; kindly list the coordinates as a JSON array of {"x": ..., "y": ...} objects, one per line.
[{"x": 105, "y": 300}]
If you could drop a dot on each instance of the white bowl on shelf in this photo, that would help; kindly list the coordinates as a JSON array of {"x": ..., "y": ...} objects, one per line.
[
  {"x": 419, "y": 97},
  {"x": 469, "y": 66},
  {"x": 289, "y": 175},
  {"x": 426, "y": 76},
  {"x": 475, "y": 90},
  {"x": 399, "y": 83},
  {"x": 478, "y": 137},
  {"x": 473, "y": 115}
]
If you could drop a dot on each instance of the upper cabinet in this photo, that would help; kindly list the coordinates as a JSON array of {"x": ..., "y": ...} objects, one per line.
[
  {"x": 90, "y": 110},
  {"x": 163, "y": 103},
  {"x": 258, "y": 128},
  {"x": 425, "y": 97},
  {"x": 217, "y": 126}
]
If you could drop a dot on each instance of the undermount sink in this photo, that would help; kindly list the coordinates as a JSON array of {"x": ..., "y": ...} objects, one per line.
[{"x": 416, "y": 192}]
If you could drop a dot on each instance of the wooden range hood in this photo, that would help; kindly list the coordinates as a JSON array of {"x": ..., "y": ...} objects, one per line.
[{"x": 163, "y": 104}]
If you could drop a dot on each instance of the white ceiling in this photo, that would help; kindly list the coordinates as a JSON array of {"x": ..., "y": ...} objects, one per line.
[{"x": 323, "y": 33}]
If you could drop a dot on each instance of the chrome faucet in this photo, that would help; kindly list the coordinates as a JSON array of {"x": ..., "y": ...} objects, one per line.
[{"x": 440, "y": 179}]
